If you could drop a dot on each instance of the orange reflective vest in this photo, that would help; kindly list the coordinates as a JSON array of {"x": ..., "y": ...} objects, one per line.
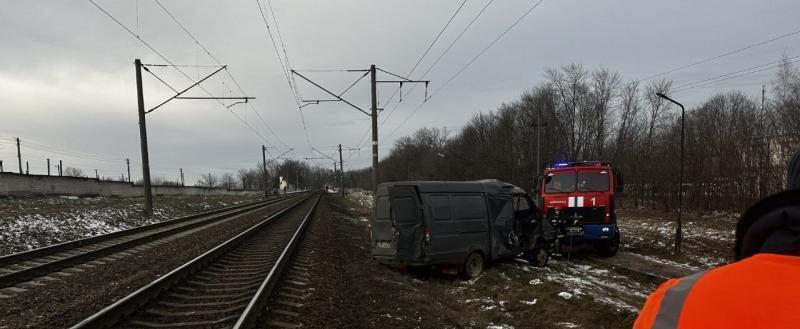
[{"x": 762, "y": 291}]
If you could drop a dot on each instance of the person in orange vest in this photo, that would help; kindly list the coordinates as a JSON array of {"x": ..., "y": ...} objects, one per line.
[{"x": 759, "y": 290}]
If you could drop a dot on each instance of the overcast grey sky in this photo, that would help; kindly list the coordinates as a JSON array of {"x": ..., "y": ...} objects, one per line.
[{"x": 67, "y": 76}]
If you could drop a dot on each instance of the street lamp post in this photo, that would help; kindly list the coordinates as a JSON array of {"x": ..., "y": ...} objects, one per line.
[{"x": 678, "y": 233}]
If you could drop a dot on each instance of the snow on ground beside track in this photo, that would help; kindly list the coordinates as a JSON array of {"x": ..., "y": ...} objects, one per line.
[
  {"x": 666, "y": 229},
  {"x": 707, "y": 239},
  {"x": 600, "y": 284},
  {"x": 670, "y": 263},
  {"x": 80, "y": 219},
  {"x": 364, "y": 199}
]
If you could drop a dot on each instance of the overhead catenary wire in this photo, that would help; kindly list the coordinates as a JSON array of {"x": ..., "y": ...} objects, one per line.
[
  {"x": 439, "y": 58},
  {"x": 720, "y": 78},
  {"x": 706, "y": 60},
  {"x": 283, "y": 45},
  {"x": 286, "y": 72},
  {"x": 227, "y": 71},
  {"x": 175, "y": 67},
  {"x": 467, "y": 65},
  {"x": 430, "y": 46},
  {"x": 736, "y": 74}
]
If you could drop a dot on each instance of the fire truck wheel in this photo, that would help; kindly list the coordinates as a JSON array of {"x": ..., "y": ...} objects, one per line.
[
  {"x": 539, "y": 256},
  {"x": 609, "y": 248},
  {"x": 473, "y": 265}
]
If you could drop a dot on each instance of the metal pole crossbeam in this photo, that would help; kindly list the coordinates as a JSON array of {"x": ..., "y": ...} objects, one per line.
[
  {"x": 373, "y": 108},
  {"x": 329, "y": 92},
  {"x": 183, "y": 91},
  {"x": 280, "y": 156}
]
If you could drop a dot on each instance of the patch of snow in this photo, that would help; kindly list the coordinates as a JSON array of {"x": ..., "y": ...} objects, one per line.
[
  {"x": 564, "y": 295},
  {"x": 669, "y": 262},
  {"x": 529, "y": 302},
  {"x": 567, "y": 324},
  {"x": 535, "y": 282},
  {"x": 499, "y": 326}
]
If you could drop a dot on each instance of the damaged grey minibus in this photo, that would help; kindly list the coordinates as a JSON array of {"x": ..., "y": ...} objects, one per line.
[{"x": 464, "y": 224}]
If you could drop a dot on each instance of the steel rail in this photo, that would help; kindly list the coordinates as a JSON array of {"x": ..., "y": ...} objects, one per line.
[
  {"x": 257, "y": 304},
  {"x": 52, "y": 265},
  {"x": 111, "y": 315}
]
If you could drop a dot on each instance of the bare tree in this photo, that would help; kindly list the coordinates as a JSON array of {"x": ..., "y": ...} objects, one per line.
[
  {"x": 73, "y": 172},
  {"x": 208, "y": 180},
  {"x": 228, "y": 181}
]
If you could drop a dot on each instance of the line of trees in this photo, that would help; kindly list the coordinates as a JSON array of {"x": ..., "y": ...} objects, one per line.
[
  {"x": 298, "y": 174},
  {"x": 736, "y": 147}
]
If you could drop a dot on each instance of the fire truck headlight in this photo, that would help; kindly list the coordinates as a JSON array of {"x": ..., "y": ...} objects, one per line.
[{"x": 605, "y": 230}]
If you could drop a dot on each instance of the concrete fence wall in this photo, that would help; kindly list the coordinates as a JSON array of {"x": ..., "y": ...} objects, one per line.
[{"x": 12, "y": 184}]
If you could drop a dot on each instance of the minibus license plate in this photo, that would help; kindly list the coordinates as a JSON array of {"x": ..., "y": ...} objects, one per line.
[
  {"x": 574, "y": 230},
  {"x": 384, "y": 244}
]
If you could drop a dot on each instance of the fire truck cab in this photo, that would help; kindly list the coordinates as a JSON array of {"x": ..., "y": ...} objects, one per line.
[{"x": 578, "y": 199}]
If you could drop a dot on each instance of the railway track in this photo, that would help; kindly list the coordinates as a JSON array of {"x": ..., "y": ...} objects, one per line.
[
  {"x": 26, "y": 266},
  {"x": 228, "y": 286}
]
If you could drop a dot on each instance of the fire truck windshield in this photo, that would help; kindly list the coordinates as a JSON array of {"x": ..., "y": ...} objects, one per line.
[
  {"x": 584, "y": 181},
  {"x": 593, "y": 181},
  {"x": 560, "y": 182}
]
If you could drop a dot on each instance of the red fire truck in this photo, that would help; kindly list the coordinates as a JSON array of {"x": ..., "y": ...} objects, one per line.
[{"x": 578, "y": 199}]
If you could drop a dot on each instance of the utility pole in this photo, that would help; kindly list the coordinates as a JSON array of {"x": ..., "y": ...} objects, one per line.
[
  {"x": 539, "y": 124},
  {"x": 1, "y": 165},
  {"x": 128, "y": 163},
  {"x": 374, "y": 88},
  {"x": 60, "y": 168},
  {"x": 48, "y": 166},
  {"x": 27, "y": 169},
  {"x": 148, "y": 193},
  {"x": 335, "y": 174},
  {"x": 264, "y": 165},
  {"x": 341, "y": 171},
  {"x": 678, "y": 229},
  {"x": 19, "y": 157},
  {"x": 373, "y": 113},
  {"x": 96, "y": 175},
  {"x": 762, "y": 162},
  {"x": 182, "y": 183}
]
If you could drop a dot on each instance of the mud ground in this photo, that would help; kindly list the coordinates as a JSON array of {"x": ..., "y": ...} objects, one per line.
[{"x": 353, "y": 291}]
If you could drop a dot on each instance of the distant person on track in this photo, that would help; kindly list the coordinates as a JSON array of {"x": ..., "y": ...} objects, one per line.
[{"x": 759, "y": 290}]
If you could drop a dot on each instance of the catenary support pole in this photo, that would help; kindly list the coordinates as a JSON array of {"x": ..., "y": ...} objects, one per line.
[
  {"x": 27, "y": 168},
  {"x": 341, "y": 171},
  {"x": 264, "y": 167},
  {"x": 60, "y": 168},
  {"x": 182, "y": 182},
  {"x": 48, "y": 166},
  {"x": 148, "y": 193},
  {"x": 374, "y": 115},
  {"x": 19, "y": 157},
  {"x": 128, "y": 163}
]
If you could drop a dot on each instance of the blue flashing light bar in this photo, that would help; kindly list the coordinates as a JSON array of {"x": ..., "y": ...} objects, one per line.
[{"x": 563, "y": 164}]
